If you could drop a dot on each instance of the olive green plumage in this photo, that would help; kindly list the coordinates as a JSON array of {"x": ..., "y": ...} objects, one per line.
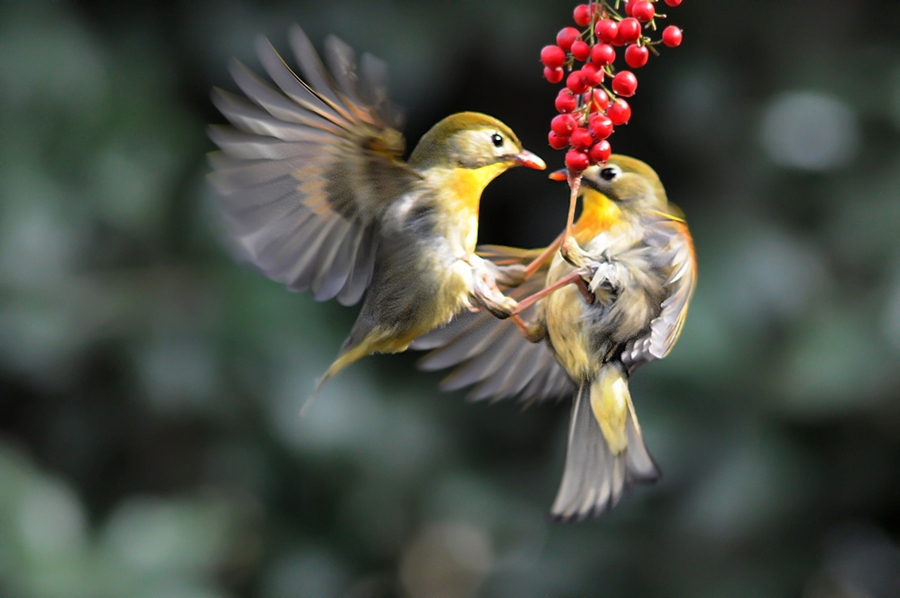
[{"x": 316, "y": 196}]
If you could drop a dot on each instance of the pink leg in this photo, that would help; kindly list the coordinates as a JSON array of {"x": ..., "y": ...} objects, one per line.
[
  {"x": 574, "y": 184},
  {"x": 539, "y": 260},
  {"x": 527, "y": 302}
]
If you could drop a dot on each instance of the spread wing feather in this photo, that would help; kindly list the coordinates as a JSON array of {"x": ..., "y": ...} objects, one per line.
[
  {"x": 307, "y": 167},
  {"x": 676, "y": 245},
  {"x": 492, "y": 354}
]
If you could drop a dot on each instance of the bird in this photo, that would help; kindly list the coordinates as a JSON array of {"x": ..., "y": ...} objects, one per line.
[
  {"x": 315, "y": 194},
  {"x": 617, "y": 300}
]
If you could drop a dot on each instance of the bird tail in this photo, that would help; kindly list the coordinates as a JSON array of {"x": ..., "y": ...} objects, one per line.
[
  {"x": 349, "y": 353},
  {"x": 606, "y": 455}
]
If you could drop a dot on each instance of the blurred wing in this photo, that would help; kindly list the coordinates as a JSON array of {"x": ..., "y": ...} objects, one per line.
[
  {"x": 492, "y": 354},
  {"x": 307, "y": 167},
  {"x": 674, "y": 240}
]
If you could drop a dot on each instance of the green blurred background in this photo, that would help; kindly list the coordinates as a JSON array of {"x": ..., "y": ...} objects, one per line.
[{"x": 150, "y": 438}]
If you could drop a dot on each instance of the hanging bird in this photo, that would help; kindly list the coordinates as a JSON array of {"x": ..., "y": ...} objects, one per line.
[
  {"x": 619, "y": 304},
  {"x": 315, "y": 193}
]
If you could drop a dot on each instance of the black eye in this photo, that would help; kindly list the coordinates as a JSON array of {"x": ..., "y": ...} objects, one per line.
[
  {"x": 497, "y": 139},
  {"x": 608, "y": 174}
]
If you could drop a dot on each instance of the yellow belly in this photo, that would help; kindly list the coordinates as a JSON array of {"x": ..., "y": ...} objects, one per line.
[{"x": 565, "y": 311}]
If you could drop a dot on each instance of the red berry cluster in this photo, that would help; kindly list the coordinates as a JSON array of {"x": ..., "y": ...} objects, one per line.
[{"x": 588, "y": 110}]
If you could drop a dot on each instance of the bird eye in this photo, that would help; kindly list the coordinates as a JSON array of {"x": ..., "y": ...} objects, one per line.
[
  {"x": 609, "y": 173},
  {"x": 497, "y": 139}
]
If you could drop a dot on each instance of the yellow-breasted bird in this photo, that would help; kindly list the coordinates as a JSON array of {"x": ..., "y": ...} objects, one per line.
[
  {"x": 633, "y": 259},
  {"x": 314, "y": 191}
]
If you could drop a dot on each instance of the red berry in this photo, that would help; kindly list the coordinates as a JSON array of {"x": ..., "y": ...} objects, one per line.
[
  {"x": 553, "y": 57},
  {"x": 582, "y": 138},
  {"x": 563, "y": 125},
  {"x": 629, "y": 6},
  {"x": 553, "y": 75},
  {"x": 576, "y": 160},
  {"x": 557, "y": 142},
  {"x": 673, "y": 2},
  {"x": 581, "y": 50},
  {"x": 575, "y": 82},
  {"x": 629, "y": 31},
  {"x": 601, "y": 126},
  {"x": 643, "y": 11},
  {"x": 582, "y": 15},
  {"x": 599, "y": 102},
  {"x": 593, "y": 75},
  {"x": 619, "y": 112},
  {"x": 603, "y": 54},
  {"x": 566, "y": 37},
  {"x": 636, "y": 56},
  {"x": 624, "y": 84},
  {"x": 600, "y": 152},
  {"x": 671, "y": 36},
  {"x": 606, "y": 30},
  {"x": 565, "y": 101}
]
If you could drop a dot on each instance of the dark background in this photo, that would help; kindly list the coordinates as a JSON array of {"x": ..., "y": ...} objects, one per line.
[{"x": 150, "y": 442}]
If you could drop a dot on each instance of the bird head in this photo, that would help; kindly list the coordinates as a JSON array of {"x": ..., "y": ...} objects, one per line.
[
  {"x": 472, "y": 141},
  {"x": 626, "y": 181},
  {"x": 630, "y": 183}
]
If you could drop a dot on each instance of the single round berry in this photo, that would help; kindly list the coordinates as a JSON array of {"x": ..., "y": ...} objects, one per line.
[
  {"x": 553, "y": 57},
  {"x": 619, "y": 112},
  {"x": 624, "y": 84},
  {"x": 636, "y": 56},
  {"x": 582, "y": 139},
  {"x": 556, "y": 141},
  {"x": 599, "y": 100},
  {"x": 600, "y": 152},
  {"x": 629, "y": 7},
  {"x": 593, "y": 74},
  {"x": 566, "y": 101},
  {"x": 672, "y": 36},
  {"x": 600, "y": 126},
  {"x": 603, "y": 54},
  {"x": 553, "y": 75},
  {"x": 576, "y": 160},
  {"x": 580, "y": 50},
  {"x": 643, "y": 11},
  {"x": 575, "y": 82},
  {"x": 563, "y": 125},
  {"x": 673, "y": 2},
  {"x": 629, "y": 31},
  {"x": 566, "y": 37},
  {"x": 607, "y": 30},
  {"x": 582, "y": 15}
]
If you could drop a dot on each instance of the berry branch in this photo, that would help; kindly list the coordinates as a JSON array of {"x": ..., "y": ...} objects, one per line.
[{"x": 588, "y": 110}]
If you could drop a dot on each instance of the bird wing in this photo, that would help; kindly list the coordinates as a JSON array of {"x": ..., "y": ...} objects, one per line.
[
  {"x": 670, "y": 236},
  {"x": 307, "y": 167},
  {"x": 493, "y": 354}
]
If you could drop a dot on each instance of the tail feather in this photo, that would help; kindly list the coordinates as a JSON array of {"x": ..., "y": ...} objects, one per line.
[
  {"x": 596, "y": 476},
  {"x": 351, "y": 351}
]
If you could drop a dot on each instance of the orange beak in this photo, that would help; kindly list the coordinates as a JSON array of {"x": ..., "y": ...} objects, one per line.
[
  {"x": 529, "y": 160},
  {"x": 559, "y": 175}
]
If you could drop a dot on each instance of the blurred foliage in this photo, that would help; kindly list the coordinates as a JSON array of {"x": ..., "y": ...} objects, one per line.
[{"x": 150, "y": 442}]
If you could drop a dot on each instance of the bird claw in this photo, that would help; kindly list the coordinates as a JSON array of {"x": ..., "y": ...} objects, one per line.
[{"x": 488, "y": 295}]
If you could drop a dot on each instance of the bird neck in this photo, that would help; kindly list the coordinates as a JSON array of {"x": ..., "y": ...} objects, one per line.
[
  {"x": 598, "y": 214},
  {"x": 465, "y": 185}
]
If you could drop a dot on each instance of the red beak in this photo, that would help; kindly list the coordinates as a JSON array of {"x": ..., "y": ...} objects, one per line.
[
  {"x": 559, "y": 175},
  {"x": 529, "y": 160}
]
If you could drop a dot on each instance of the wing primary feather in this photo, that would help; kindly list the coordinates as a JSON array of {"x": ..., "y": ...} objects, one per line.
[
  {"x": 295, "y": 87},
  {"x": 319, "y": 81},
  {"x": 279, "y": 105}
]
